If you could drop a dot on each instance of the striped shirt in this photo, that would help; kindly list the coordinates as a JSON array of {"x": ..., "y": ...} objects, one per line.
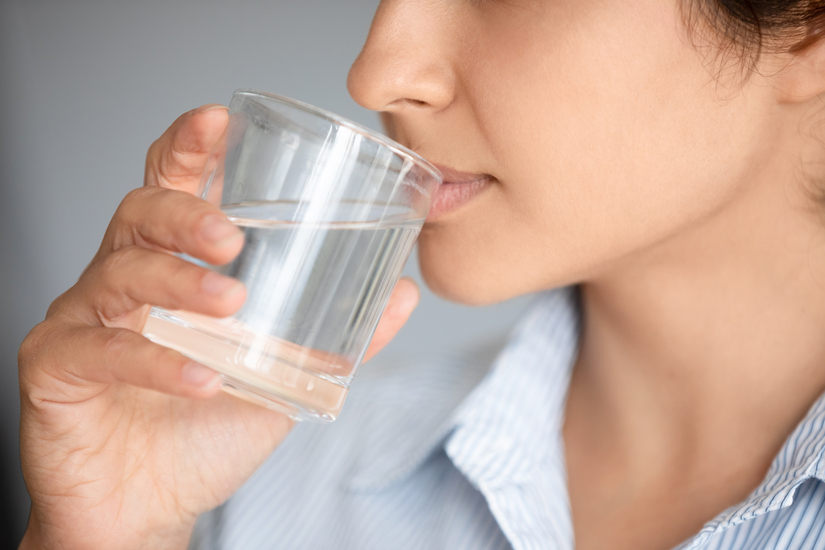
[{"x": 460, "y": 454}]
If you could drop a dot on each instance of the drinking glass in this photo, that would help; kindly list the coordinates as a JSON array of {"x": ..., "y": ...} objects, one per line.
[{"x": 330, "y": 211}]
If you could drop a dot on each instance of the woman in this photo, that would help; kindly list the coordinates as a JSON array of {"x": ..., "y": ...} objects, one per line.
[{"x": 665, "y": 157}]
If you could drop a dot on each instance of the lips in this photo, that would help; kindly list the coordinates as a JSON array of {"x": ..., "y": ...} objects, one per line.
[{"x": 458, "y": 189}]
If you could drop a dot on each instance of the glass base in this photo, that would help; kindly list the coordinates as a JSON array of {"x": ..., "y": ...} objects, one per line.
[
  {"x": 282, "y": 379},
  {"x": 242, "y": 390}
]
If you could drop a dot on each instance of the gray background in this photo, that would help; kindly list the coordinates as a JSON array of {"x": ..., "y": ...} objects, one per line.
[{"x": 87, "y": 85}]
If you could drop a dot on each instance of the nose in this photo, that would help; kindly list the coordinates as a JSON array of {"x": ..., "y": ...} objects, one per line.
[{"x": 405, "y": 64}]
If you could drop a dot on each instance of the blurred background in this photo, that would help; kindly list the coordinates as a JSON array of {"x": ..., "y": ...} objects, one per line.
[{"x": 87, "y": 85}]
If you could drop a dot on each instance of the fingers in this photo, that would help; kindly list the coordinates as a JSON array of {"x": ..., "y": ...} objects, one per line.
[
  {"x": 75, "y": 359},
  {"x": 133, "y": 277},
  {"x": 178, "y": 158},
  {"x": 174, "y": 221},
  {"x": 402, "y": 302}
]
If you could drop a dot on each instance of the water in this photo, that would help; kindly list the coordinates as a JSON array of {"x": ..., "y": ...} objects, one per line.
[{"x": 315, "y": 292}]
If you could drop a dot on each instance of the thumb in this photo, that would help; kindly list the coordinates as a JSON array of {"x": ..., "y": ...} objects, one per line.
[
  {"x": 178, "y": 158},
  {"x": 402, "y": 302}
]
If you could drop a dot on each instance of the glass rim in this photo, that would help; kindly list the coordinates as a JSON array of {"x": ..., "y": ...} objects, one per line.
[{"x": 394, "y": 146}]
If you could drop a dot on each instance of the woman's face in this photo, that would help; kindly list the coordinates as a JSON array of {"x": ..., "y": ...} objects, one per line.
[{"x": 604, "y": 129}]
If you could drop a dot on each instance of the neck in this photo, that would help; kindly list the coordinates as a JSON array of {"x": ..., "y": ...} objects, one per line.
[{"x": 711, "y": 344}]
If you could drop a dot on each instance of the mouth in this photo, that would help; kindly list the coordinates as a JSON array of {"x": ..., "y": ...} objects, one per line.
[{"x": 458, "y": 189}]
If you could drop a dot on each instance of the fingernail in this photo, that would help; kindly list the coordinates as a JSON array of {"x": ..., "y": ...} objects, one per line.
[
  {"x": 210, "y": 107},
  {"x": 413, "y": 296},
  {"x": 218, "y": 285},
  {"x": 196, "y": 374},
  {"x": 219, "y": 230}
]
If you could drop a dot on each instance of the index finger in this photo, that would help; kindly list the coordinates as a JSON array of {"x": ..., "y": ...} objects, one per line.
[{"x": 178, "y": 158}]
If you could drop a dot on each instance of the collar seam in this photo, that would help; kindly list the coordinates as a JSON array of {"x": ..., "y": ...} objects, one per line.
[{"x": 789, "y": 489}]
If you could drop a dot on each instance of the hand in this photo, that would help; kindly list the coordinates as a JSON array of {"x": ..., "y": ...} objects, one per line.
[{"x": 123, "y": 442}]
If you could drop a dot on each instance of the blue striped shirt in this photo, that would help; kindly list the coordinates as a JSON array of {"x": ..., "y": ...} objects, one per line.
[{"x": 457, "y": 454}]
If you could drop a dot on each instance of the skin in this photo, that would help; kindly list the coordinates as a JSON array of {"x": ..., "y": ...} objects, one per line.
[{"x": 627, "y": 157}]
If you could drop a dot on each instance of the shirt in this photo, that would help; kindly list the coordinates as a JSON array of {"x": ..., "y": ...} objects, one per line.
[{"x": 455, "y": 453}]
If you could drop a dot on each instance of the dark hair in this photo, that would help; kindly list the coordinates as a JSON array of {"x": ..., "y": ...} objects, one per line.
[{"x": 752, "y": 26}]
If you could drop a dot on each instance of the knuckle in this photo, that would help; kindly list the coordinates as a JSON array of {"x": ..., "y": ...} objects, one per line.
[
  {"x": 65, "y": 302},
  {"x": 120, "y": 262},
  {"x": 165, "y": 147},
  {"x": 135, "y": 202},
  {"x": 112, "y": 293},
  {"x": 133, "y": 198},
  {"x": 32, "y": 347},
  {"x": 170, "y": 205},
  {"x": 74, "y": 308},
  {"x": 127, "y": 215},
  {"x": 153, "y": 152},
  {"x": 181, "y": 279},
  {"x": 36, "y": 356}
]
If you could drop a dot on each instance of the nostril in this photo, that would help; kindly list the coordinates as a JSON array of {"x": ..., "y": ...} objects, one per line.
[{"x": 406, "y": 102}]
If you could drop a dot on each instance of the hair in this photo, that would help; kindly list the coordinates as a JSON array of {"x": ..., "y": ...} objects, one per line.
[
  {"x": 744, "y": 29},
  {"x": 749, "y": 27}
]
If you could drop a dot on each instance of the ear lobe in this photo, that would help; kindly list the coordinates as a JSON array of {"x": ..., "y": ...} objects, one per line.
[{"x": 803, "y": 76}]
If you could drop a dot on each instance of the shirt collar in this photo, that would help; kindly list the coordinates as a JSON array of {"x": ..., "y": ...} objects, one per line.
[
  {"x": 465, "y": 385},
  {"x": 522, "y": 399},
  {"x": 504, "y": 433},
  {"x": 507, "y": 438},
  {"x": 800, "y": 459},
  {"x": 414, "y": 425}
]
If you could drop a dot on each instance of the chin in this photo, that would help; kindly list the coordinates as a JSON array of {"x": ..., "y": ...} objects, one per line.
[{"x": 461, "y": 276}]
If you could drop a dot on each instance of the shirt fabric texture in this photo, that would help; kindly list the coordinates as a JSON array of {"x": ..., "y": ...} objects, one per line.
[{"x": 457, "y": 454}]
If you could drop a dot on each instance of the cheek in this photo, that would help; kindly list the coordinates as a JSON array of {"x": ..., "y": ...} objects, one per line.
[{"x": 606, "y": 141}]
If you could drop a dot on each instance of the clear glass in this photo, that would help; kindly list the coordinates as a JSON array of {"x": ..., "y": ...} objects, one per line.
[{"x": 330, "y": 212}]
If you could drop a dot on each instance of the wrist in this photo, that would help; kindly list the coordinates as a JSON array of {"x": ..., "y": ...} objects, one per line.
[
  {"x": 31, "y": 538},
  {"x": 175, "y": 539},
  {"x": 169, "y": 539}
]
